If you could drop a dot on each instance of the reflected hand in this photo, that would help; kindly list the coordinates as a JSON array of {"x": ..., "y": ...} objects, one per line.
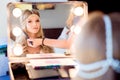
[{"x": 34, "y": 42}]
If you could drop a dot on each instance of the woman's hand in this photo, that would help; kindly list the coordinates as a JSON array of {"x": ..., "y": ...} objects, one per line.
[{"x": 34, "y": 42}]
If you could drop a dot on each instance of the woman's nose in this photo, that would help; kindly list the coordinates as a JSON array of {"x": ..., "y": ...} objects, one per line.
[{"x": 34, "y": 23}]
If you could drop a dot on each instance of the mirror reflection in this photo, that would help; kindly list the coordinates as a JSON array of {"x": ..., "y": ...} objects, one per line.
[
  {"x": 40, "y": 20},
  {"x": 51, "y": 16}
]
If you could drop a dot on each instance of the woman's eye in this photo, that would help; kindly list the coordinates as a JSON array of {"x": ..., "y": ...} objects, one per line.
[
  {"x": 29, "y": 21},
  {"x": 37, "y": 20}
]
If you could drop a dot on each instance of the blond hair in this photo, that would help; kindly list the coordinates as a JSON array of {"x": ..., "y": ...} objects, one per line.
[
  {"x": 71, "y": 16},
  {"x": 23, "y": 18},
  {"x": 23, "y": 38}
]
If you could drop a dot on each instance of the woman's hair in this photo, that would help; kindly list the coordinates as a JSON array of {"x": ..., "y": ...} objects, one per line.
[
  {"x": 93, "y": 29},
  {"x": 23, "y": 18},
  {"x": 22, "y": 39},
  {"x": 90, "y": 45},
  {"x": 115, "y": 18},
  {"x": 71, "y": 16}
]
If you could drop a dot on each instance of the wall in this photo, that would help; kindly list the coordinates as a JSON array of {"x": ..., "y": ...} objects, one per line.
[
  {"x": 3, "y": 37},
  {"x": 3, "y": 18},
  {"x": 52, "y": 18}
]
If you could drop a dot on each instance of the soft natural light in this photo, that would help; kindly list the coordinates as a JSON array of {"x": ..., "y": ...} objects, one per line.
[
  {"x": 16, "y": 31},
  {"x": 17, "y": 50},
  {"x": 17, "y": 12}
]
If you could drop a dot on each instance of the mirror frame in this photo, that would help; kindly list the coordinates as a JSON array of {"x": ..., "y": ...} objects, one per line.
[{"x": 12, "y": 5}]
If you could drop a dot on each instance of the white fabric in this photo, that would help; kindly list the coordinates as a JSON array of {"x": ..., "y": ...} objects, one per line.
[
  {"x": 109, "y": 46},
  {"x": 104, "y": 64},
  {"x": 64, "y": 34}
]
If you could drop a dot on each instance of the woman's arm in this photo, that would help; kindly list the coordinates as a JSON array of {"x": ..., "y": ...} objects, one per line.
[
  {"x": 49, "y": 42},
  {"x": 65, "y": 44}
]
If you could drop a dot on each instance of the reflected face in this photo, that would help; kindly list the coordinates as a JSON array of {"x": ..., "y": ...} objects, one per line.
[
  {"x": 33, "y": 23},
  {"x": 50, "y": 18}
]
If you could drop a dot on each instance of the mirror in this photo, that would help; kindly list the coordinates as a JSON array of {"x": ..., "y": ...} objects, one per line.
[{"x": 52, "y": 16}]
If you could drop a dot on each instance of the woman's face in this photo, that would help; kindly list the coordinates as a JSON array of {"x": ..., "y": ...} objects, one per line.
[{"x": 33, "y": 23}]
